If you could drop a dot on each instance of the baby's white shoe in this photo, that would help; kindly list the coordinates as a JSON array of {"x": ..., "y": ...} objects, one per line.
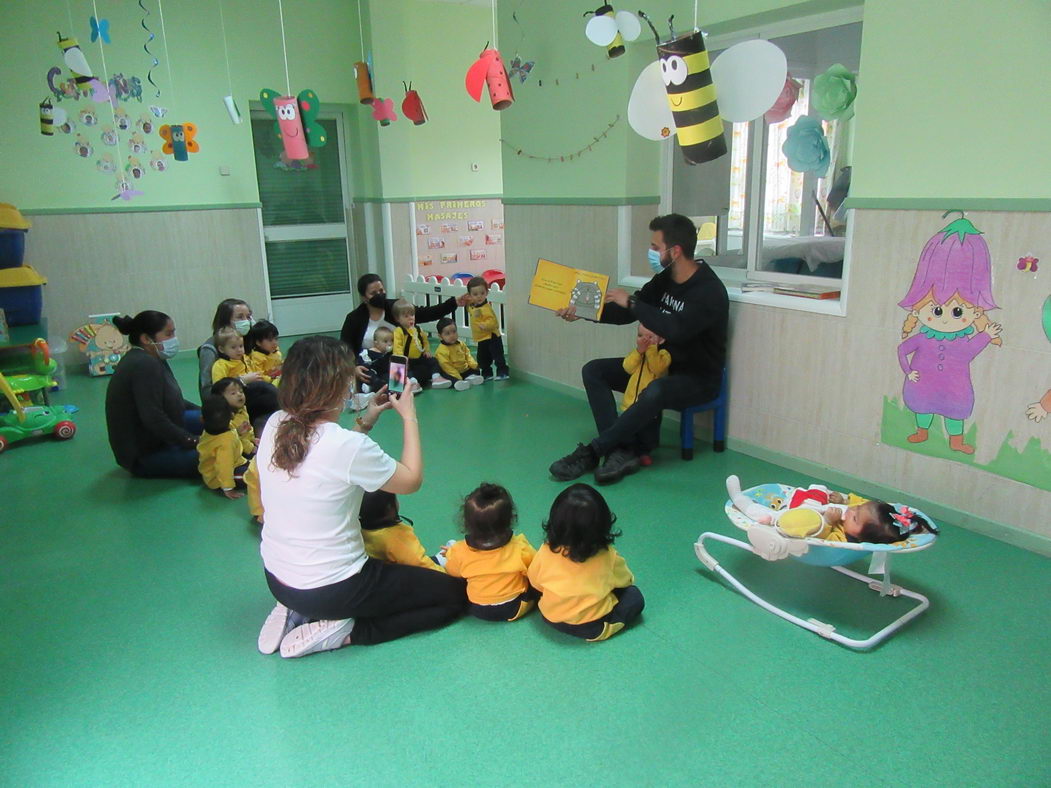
[
  {"x": 438, "y": 382},
  {"x": 461, "y": 385},
  {"x": 475, "y": 380}
]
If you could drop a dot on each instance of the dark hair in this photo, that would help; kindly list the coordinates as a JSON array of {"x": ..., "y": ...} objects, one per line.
[
  {"x": 488, "y": 516},
  {"x": 216, "y": 414},
  {"x": 477, "y": 281},
  {"x": 149, "y": 322},
  {"x": 263, "y": 329},
  {"x": 677, "y": 230},
  {"x": 224, "y": 313},
  {"x": 220, "y": 386},
  {"x": 315, "y": 379},
  {"x": 379, "y": 509},
  {"x": 885, "y": 528},
  {"x": 580, "y": 523},
  {"x": 365, "y": 280},
  {"x": 444, "y": 322}
]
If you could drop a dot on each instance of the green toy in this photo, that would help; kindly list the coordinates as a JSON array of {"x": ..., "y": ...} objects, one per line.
[{"x": 24, "y": 422}]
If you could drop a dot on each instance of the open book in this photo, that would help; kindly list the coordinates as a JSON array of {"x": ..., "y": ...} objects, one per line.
[{"x": 556, "y": 286}]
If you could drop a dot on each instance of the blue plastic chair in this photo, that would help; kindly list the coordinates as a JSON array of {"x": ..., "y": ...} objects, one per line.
[{"x": 718, "y": 422}]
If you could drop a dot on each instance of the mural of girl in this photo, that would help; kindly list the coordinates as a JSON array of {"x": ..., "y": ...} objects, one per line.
[
  {"x": 1037, "y": 411},
  {"x": 950, "y": 294}
]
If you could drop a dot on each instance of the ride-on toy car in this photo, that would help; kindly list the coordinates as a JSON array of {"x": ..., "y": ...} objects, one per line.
[{"x": 24, "y": 421}]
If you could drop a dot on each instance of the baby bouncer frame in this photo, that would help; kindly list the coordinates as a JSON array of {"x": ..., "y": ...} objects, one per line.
[{"x": 768, "y": 543}]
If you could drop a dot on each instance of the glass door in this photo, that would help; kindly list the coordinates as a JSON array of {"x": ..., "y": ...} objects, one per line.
[{"x": 305, "y": 228}]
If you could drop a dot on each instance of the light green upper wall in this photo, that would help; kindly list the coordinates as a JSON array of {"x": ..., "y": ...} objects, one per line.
[
  {"x": 432, "y": 44},
  {"x": 949, "y": 103},
  {"x": 953, "y": 100}
]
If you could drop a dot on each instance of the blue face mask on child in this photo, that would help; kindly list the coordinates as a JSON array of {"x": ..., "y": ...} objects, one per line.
[
  {"x": 168, "y": 348},
  {"x": 653, "y": 257}
]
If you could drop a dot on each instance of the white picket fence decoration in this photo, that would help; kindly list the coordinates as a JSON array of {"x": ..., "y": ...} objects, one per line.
[{"x": 428, "y": 290}]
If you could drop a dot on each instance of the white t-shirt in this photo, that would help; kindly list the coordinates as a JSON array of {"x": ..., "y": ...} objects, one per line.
[
  {"x": 366, "y": 341},
  {"x": 311, "y": 536}
]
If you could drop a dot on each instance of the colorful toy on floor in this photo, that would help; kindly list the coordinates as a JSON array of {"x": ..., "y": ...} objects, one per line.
[
  {"x": 29, "y": 371},
  {"x": 27, "y": 421},
  {"x": 102, "y": 343}
]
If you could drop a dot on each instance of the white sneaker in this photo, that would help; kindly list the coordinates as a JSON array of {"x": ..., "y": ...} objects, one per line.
[
  {"x": 461, "y": 385},
  {"x": 316, "y": 636},
  {"x": 438, "y": 382},
  {"x": 274, "y": 629},
  {"x": 475, "y": 380},
  {"x": 415, "y": 385}
]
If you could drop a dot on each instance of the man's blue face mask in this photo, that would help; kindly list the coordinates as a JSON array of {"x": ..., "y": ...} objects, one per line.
[{"x": 654, "y": 259}]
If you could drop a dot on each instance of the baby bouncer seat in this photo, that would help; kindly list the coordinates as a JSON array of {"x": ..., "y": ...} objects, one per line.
[{"x": 767, "y": 542}]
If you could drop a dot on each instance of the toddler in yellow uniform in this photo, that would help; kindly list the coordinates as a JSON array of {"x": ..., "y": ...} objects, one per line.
[
  {"x": 264, "y": 354},
  {"x": 255, "y": 498},
  {"x": 411, "y": 341},
  {"x": 819, "y": 513},
  {"x": 232, "y": 362},
  {"x": 485, "y": 330},
  {"x": 586, "y": 587},
  {"x": 645, "y": 364},
  {"x": 455, "y": 359},
  {"x": 233, "y": 392},
  {"x": 220, "y": 460},
  {"x": 388, "y": 536},
  {"x": 492, "y": 558}
]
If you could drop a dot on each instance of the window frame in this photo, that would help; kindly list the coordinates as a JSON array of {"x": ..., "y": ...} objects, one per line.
[{"x": 757, "y": 143}]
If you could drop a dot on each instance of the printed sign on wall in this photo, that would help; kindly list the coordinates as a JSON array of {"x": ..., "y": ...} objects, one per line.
[{"x": 459, "y": 237}]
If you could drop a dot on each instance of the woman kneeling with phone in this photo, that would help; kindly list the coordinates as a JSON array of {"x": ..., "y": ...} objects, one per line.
[{"x": 312, "y": 475}]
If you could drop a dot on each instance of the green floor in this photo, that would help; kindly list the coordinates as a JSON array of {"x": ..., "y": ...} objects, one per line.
[{"x": 131, "y": 608}]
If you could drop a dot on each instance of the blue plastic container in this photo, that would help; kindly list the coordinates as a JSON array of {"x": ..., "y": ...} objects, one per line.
[
  {"x": 12, "y": 248},
  {"x": 22, "y": 295}
]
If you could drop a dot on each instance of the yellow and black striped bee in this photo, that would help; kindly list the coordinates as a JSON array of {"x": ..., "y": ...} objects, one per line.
[
  {"x": 47, "y": 118},
  {"x": 75, "y": 61},
  {"x": 691, "y": 95}
]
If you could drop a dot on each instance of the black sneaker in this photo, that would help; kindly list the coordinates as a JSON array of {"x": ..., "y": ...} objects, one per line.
[
  {"x": 618, "y": 464},
  {"x": 573, "y": 465}
]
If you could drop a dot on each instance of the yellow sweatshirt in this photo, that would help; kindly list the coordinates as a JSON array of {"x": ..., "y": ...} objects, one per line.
[
  {"x": 248, "y": 438},
  {"x": 255, "y": 499},
  {"x": 218, "y": 456},
  {"x": 397, "y": 544},
  {"x": 484, "y": 324},
  {"x": 229, "y": 368},
  {"x": 265, "y": 364},
  {"x": 493, "y": 576},
  {"x": 578, "y": 592},
  {"x": 455, "y": 360},
  {"x": 410, "y": 346},
  {"x": 643, "y": 370}
]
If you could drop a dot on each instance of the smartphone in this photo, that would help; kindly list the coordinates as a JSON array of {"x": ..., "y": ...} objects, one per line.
[{"x": 399, "y": 374}]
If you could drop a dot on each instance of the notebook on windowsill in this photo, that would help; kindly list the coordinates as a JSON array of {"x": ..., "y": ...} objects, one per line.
[{"x": 807, "y": 291}]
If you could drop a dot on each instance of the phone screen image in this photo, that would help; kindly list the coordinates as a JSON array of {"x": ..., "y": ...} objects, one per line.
[{"x": 399, "y": 374}]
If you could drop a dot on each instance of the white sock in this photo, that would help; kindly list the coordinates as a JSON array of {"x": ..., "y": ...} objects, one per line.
[{"x": 745, "y": 505}]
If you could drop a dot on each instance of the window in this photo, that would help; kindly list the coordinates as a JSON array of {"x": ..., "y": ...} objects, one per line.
[{"x": 754, "y": 214}]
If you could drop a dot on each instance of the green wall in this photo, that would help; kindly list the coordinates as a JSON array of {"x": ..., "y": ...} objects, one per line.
[{"x": 949, "y": 105}]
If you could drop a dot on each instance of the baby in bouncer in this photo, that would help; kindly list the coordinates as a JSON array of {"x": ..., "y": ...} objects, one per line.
[{"x": 820, "y": 513}]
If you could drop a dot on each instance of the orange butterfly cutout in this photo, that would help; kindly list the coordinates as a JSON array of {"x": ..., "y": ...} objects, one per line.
[{"x": 179, "y": 140}]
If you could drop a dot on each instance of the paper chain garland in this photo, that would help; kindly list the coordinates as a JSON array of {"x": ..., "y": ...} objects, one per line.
[{"x": 569, "y": 156}]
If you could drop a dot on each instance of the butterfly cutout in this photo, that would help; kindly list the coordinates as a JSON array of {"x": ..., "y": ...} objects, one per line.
[
  {"x": 383, "y": 111},
  {"x": 1028, "y": 263},
  {"x": 158, "y": 112},
  {"x": 101, "y": 93},
  {"x": 99, "y": 29},
  {"x": 521, "y": 68},
  {"x": 125, "y": 192}
]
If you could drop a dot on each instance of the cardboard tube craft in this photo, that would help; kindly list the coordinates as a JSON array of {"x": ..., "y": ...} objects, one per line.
[
  {"x": 364, "y": 79},
  {"x": 691, "y": 96},
  {"x": 412, "y": 106},
  {"x": 489, "y": 69},
  {"x": 179, "y": 140},
  {"x": 297, "y": 124}
]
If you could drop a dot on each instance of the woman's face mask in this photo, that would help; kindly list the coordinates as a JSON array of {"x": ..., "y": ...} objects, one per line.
[
  {"x": 168, "y": 348},
  {"x": 242, "y": 326}
]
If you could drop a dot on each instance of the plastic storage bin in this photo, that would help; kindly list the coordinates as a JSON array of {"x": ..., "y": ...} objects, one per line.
[
  {"x": 12, "y": 248},
  {"x": 22, "y": 295}
]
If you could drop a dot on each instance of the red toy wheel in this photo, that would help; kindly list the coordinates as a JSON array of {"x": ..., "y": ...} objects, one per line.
[
  {"x": 65, "y": 430},
  {"x": 3, "y": 443}
]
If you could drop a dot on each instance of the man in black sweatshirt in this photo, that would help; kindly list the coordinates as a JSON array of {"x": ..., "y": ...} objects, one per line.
[{"x": 686, "y": 304}]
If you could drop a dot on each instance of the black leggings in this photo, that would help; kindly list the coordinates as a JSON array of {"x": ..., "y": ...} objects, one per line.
[
  {"x": 629, "y": 604},
  {"x": 505, "y": 611},
  {"x": 387, "y": 601}
]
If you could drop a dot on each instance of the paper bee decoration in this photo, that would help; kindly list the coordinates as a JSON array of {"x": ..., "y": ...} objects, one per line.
[
  {"x": 611, "y": 30},
  {"x": 489, "y": 69},
  {"x": 412, "y": 106},
  {"x": 364, "y": 79},
  {"x": 297, "y": 124},
  {"x": 179, "y": 140},
  {"x": 691, "y": 97},
  {"x": 75, "y": 61},
  {"x": 50, "y": 117}
]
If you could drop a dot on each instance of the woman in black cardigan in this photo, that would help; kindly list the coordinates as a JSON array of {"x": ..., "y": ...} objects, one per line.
[
  {"x": 152, "y": 429},
  {"x": 374, "y": 311}
]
